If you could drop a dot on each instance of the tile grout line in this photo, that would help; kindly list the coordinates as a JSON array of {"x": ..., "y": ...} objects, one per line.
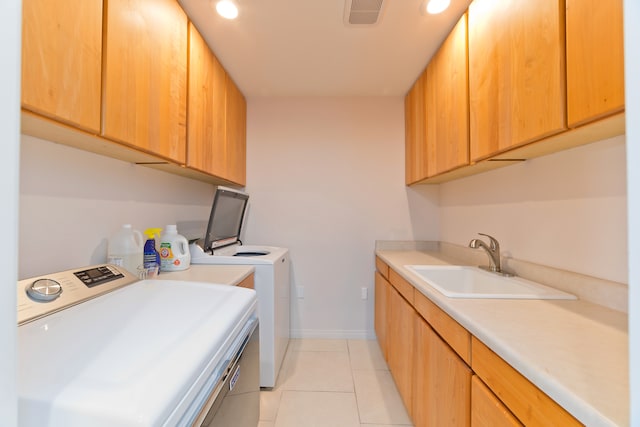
[{"x": 353, "y": 381}]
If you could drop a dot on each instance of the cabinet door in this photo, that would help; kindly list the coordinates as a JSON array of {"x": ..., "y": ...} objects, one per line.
[
  {"x": 207, "y": 105},
  {"x": 516, "y": 73},
  {"x": 236, "y": 141},
  {"x": 595, "y": 60},
  {"x": 62, "y": 59},
  {"x": 380, "y": 313},
  {"x": 400, "y": 345},
  {"x": 527, "y": 402},
  {"x": 442, "y": 382},
  {"x": 487, "y": 410},
  {"x": 415, "y": 132},
  {"x": 448, "y": 104},
  {"x": 145, "y": 76}
]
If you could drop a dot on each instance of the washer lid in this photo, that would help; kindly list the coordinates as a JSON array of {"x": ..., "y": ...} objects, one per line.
[{"x": 133, "y": 357}]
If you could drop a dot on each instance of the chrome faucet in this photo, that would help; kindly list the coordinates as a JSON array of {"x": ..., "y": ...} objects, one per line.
[{"x": 493, "y": 250}]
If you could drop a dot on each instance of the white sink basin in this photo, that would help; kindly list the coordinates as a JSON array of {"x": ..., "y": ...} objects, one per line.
[{"x": 472, "y": 282}]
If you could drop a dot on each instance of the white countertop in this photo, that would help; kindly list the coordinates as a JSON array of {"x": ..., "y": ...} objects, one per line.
[
  {"x": 574, "y": 351},
  {"x": 220, "y": 274}
]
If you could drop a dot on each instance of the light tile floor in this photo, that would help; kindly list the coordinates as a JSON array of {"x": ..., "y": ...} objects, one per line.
[{"x": 333, "y": 383}]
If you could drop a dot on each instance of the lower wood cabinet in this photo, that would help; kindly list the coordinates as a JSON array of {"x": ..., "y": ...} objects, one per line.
[
  {"x": 526, "y": 401},
  {"x": 445, "y": 375},
  {"x": 400, "y": 344},
  {"x": 442, "y": 382},
  {"x": 382, "y": 289},
  {"x": 487, "y": 410}
]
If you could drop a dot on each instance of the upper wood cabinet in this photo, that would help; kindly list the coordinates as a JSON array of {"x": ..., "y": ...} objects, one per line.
[
  {"x": 516, "y": 73},
  {"x": 415, "y": 132},
  {"x": 145, "y": 76},
  {"x": 595, "y": 60},
  {"x": 207, "y": 105},
  {"x": 236, "y": 136},
  {"x": 447, "y": 104},
  {"x": 61, "y": 60}
]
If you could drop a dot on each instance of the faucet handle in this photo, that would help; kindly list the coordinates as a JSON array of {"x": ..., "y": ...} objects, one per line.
[{"x": 493, "y": 242}]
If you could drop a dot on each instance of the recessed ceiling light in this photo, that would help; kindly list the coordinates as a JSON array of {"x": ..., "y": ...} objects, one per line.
[
  {"x": 227, "y": 9},
  {"x": 437, "y": 6}
]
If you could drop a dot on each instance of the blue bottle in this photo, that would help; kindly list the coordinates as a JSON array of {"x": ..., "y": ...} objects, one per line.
[{"x": 151, "y": 257}]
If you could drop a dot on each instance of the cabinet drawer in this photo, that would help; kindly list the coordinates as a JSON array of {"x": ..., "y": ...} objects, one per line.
[
  {"x": 405, "y": 288},
  {"x": 382, "y": 267},
  {"x": 487, "y": 410},
  {"x": 451, "y": 331},
  {"x": 525, "y": 400}
]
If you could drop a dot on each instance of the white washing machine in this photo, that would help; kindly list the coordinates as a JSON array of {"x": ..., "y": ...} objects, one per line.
[
  {"x": 97, "y": 347},
  {"x": 222, "y": 246}
]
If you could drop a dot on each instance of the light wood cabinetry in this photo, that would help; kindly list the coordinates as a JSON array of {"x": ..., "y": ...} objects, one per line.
[
  {"x": 400, "y": 345},
  {"x": 145, "y": 76},
  {"x": 442, "y": 382},
  {"x": 207, "y": 106},
  {"x": 61, "y": 60},
  {"x": 541, "y": 77},
  {"x": 528, "y": 403},
  {"x": 516, "y": 73},
  {"x": 451, "y": 331},
  {"x": 447, "y": 104},
  {"x": 433, "y": 359},
  {"x": 116, "y": 85},
  {"x": 402, "y": 286},
  {"x": 248, "y": 282},
  {"x": 416, "y": 122},
  {"x": 382, "y": 289},
  {"x": 236, "y": 133},
  {"x": 486, "y": 408},
  {"x": 595, "y": 60}
]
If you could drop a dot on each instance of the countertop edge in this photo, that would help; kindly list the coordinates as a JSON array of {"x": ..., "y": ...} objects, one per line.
[{"x": 230, "y": 275}]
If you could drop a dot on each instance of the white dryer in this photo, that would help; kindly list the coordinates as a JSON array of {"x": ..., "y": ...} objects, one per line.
[{"x": 222, "y": 246}]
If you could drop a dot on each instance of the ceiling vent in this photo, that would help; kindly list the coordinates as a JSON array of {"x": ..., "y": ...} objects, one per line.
[{"x": 363, "y": 12}]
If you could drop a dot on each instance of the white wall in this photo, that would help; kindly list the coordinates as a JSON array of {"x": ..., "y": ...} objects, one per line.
[
  {"x": 326, "y": 178},
  {"x": 632, "y": 96},
  {"x": 10, "y": 18},
  {"x": 72, "y": 201},
  {"x": 566, "y": 210}
]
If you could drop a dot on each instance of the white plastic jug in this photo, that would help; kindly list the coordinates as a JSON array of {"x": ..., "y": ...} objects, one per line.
[
  {"x": 174, "y": 250},
  {"x": 125, "y": 249}
]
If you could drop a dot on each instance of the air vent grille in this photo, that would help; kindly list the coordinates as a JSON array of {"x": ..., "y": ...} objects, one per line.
[{"x": 363, "y": 12}]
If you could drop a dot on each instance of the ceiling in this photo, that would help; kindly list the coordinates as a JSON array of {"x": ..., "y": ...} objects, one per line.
[{"x": 304, "y": 48}]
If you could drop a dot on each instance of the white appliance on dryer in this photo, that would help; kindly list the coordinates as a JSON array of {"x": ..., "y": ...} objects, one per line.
[{"x": 222, "y": 245}]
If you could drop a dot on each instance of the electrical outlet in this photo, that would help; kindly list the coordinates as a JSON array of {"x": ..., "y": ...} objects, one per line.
[
  {"x": 300, "y": 292},
  {"x": 364, "y": 293}
]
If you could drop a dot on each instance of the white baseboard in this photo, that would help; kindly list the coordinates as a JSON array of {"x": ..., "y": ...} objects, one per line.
[{"x": 333, "y": 334}]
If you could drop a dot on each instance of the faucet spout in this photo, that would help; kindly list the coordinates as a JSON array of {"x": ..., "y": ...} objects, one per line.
[{"x": 492, "y": 250}]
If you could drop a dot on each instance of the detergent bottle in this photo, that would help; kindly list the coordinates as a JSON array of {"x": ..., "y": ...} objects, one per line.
[
  {"x": 174, "y": 250},
  {"x": 151, "y": 255},
  {"x": 125, "y": 249}
]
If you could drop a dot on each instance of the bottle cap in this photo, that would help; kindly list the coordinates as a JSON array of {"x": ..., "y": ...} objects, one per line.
[{"x": 151, "y": 233}]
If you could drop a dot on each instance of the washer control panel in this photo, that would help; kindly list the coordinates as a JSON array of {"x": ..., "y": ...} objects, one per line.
[
  {"x": 40, "y": 296},
  {"x": 98, "y": 275}
]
